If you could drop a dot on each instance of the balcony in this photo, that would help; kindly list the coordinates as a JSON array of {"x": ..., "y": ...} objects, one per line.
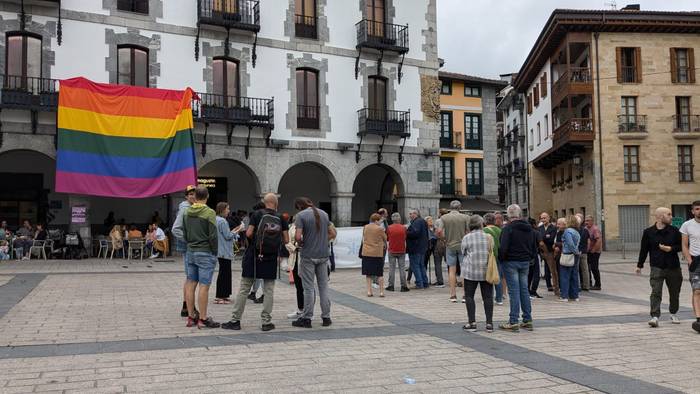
[
  {"x": 305, "y": 26},
  {"x": 632, "y": 126},
  {"x": 307, "y": 117},
  {"x": 447, "y": 188},
  {"x": 382, "y": 36},
  {"x": 573, "y": 137},
  {"x": 686, "y": 126},
  {"x": 29, "y": 93},
  {"x": 384, "y": 122},
  {"x": 244, "y": 111},
  {"x": 574, "y": 81},
  {"x": 230, "y": 14}
]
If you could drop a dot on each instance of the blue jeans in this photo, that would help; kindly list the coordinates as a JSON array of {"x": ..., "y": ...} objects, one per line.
[
  {"x": 200, "y": 267},
  {"x": 499, "y": 286},
  {"x": 516, "y": 278},
  {"x": 568, "y": 280},
  {"x": 416, "y": 264}
]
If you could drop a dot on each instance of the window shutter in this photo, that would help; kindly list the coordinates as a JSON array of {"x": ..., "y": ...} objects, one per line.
[
  {"x": 674, "y": 66},
  {"x": 141, "y": 6},
  {"x": 691, "y": 65},
  {"x": 543, "y": 82},
  {"x": 638, "y": 64},
  {"x": 618, "y": 60}
]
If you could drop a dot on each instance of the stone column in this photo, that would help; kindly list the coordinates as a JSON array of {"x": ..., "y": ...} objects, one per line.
[{"x": 342, "y": 208}]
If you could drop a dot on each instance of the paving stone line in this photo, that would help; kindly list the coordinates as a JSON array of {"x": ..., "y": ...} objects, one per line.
[{"x": 14, "y": 291}]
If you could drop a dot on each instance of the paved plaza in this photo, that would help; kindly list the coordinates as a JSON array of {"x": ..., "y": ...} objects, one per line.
[{"x": 95, "y": 326}]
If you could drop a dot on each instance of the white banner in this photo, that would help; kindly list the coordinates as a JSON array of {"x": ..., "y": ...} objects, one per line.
[{"x": 347, "y": 247}]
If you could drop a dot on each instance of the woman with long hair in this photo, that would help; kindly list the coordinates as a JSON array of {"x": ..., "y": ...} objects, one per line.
[{"x": 225, "y": 254}]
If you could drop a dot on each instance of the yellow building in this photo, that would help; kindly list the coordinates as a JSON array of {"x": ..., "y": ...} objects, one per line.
[
  {"x": 468, "y": 155},
  {"x": 622, "y": 110}
]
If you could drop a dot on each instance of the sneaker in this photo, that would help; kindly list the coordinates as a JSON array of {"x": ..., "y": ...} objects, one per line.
[
  {"x": 577, "y": 300},
  {"x": 267, "y": 327},
  {"x": 232, "y": 325},
  {"x": 527, "y": 325},
  {"x": 389, "y": 288},
  {"x": 295, "y": 315},
  {"x": 251, "y": 296},
  {"x": 404, "y": 289},
  {"x": 675, "y": 319},
  {"x": 327, "y": 322},
  {"x": 500, "y": 303},
  {"x": 509, "y": 327},
  {"x": 654, "y": 322},
  {"x": 153, "y": 256},
  {"x": 595, "y": 288},
  {"x": 696, "y": 326},
  {"x": 453, "y": 300},
  {"x": 536, "y": 295},
  {"x": 471, "y": 327},
  {"x": 260, "y": 300},
  {"x": 304, "y": 323},
  {"x": 439, "y": 285},
  {"x": 489, "y": 328},
  {"x": 375, "y": 286},
  {"x": 562, "y": 299},
  {"x": 209, "y": 323},
  {"x": 190, "y": 322},
  {"x": 464, "y": 301}
]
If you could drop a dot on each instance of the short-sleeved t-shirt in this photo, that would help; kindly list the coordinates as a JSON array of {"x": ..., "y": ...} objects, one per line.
[
  {"x": 456, "y": 225},
  {"x": 396, "y": 234},
  {"x": 691, "y": 228},
  {"x": 315, "y": 244}
]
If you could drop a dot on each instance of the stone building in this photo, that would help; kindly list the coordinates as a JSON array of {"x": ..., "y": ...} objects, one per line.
[
  {"x": 333, "y": 100},
  {"x": 468, "y": 131},
  {"x": 512, "y": 147},
  {"x": 611, "y": 99}
]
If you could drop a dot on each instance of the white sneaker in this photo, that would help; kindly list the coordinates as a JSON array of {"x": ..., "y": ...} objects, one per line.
[
  {"x": 499, "y": 303},
  {"x": 294, "y": 315},
  {"x": 654, "y": 322},
  {"x": 577, "y": 300},
  {"x": 375, "y": 286},
  {"x": 153, "y": 256},
  {"x": 675, "y": 319},
  {"x": 563, "y": 300}
]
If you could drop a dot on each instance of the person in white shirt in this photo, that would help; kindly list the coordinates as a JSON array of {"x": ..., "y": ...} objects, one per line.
[
  {"x": 160, "y": 246},
  {"x": 690, "y": 233}
]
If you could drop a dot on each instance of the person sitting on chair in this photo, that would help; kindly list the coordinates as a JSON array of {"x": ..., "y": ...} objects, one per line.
[{"x": 160, "y": 245}]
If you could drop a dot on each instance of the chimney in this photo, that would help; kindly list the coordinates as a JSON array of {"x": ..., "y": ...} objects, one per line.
[{"x": 631, "y": 7}]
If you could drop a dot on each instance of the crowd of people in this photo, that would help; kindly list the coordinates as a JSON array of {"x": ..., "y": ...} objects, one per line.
[{"x": 21, "y": 240}]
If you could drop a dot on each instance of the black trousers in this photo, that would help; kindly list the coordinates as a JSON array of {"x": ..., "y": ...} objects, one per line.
[
  {"x": 533, "y": 276},
  {"x": 674, "y": 280},
  {"x": 593, "y": 266},
  {"x": 223, "y": 280},
  {"x": 299, "y": 286},
  {"x": 486, "y": 295}
]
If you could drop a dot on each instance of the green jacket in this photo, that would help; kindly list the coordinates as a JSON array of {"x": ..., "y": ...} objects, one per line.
[
  {"x": 199, "y": 229},
  {"x": 495, "y": 232}
]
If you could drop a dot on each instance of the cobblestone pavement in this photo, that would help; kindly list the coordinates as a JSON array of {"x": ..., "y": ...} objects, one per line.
[{"x": 91, "y": 326}]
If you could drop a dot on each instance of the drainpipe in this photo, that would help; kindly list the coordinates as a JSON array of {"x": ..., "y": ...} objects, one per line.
[{"x": 600, "y": 140}]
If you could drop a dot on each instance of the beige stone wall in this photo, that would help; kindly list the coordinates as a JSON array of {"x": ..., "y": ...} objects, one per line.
[
  {"x": 656, "y": 94},
  {"x": 579, "y": 193},
  {"x": 540, "y": 191}
]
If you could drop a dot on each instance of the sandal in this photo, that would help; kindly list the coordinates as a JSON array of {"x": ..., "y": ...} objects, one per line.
[
  {"x": 226, "y": 301},
  {"x": 370, "y": 295},
  {"x": 218, "y": 301}
]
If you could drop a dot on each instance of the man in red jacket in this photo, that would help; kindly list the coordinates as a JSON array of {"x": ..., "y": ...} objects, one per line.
[{"x": 396, "y": 235}]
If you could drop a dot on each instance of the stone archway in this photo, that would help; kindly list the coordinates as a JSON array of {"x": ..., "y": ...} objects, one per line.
[
  {"x": 230, "y": 181},
  {"x": 376, "y": 186},
  {"x": 307, "y": 179}
]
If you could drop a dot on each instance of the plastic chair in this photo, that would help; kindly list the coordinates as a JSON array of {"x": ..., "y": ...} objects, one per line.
[
  {"x": 39, "y": 246},
  {"x": 104, "y": 249},
  {"x": 136, "y": 244}
]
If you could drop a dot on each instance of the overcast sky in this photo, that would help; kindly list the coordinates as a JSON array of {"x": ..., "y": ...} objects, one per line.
[{"x": 491, "y": 37}]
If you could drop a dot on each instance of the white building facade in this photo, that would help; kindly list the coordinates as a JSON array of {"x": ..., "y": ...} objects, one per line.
[
  {"x": 513, "y": 149},
  {"x": 329, "y": 100}
]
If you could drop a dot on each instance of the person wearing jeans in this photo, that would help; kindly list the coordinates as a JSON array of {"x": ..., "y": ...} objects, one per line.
[
  {"x": 477, "y": 249},
  {"x": 180, "y": 244},
  {"x": 396, "y": 236},
  {"x": 595, "y": 247},
  {"x": 518, "y": 247},
  {"x": 417, "y": 246},
  {"x": 584, "y": 272},
  {"x": 569, "y": 282},
  {"x": 495, "y": 233}
]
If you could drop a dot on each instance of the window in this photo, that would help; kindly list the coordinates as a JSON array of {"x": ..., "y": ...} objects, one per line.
[
  {"x": 226, "y": 7},
  {"x": 307, "y": 98},
  {"x": 628, "y": 117},
  {"x": 446, "y": 181},
  {"x": 629, "y": 65},
  {"x": 539, "y": 134},
  {"x": 133, "y": 65},
  {"x": 22, "y": 59},
  {"x": 682, "y": 114},
  {"x": 140, "y": 6},
  {"x": 375, "y": 16},
  {"x": 446, "y": 87},
  {"x": 446, "y": 129},
  {"x": 377, "y": 98},
  {"x": 682, "y": 65},
  {"x": 583, "y": 211},
  {"x": 536, "y": 95},
  {"x": 475, "y": 173},
  {"x": 532, "y": 138},
  {"x": 685, "y": 163},
  {"x": 472, "y": 91},
  {"x": 546, "y": 126},
  {"x": 630, "y": 154},
  {"x": 472, "y": 131},
  {"x": 305, "y": 18},
  {"x": 226, "y": 79},
  {"x": 543, "y": 85}
]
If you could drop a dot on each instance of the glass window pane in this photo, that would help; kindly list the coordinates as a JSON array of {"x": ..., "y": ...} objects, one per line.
[
  {"x": 140, "y": 68},
  {"x": 14, "y": 55},
  {"x": 309, "y": 7},
  {"x": 298, "y": 4},
  {"x": 311, "y": 89},
  {"x": 218, "y": 69},
  {"x": 124, "y": 59},
  {"x": 232, "y": 79},
  {"x": 301, "y": 93},
  {"x": 33, "y": 57}
]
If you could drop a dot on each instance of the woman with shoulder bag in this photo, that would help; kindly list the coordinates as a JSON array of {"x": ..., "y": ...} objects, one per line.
[
  {"x": 372, "y": 252},
  {"x": 477, "y": 249},
  {"x": 568, "y": 263}
]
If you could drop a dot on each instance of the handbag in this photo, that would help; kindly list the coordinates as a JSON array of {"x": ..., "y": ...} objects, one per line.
[
  {"x": 492, "y": 268},
  {"x": 567, "y": 260},
  {"x": 331, "y": 258}
]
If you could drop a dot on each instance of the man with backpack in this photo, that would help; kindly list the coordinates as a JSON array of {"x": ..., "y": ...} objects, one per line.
[{"x": 266, "y": 232}]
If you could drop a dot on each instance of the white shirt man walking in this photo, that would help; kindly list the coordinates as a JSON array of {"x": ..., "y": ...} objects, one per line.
[{"x": 690, "y": 232}]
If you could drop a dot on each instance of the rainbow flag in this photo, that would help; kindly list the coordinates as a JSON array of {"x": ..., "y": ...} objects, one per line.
[{"x": 123, "y": 141}]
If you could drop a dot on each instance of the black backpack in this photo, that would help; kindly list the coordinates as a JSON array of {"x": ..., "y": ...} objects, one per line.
[{"x": 268, "y": 237}]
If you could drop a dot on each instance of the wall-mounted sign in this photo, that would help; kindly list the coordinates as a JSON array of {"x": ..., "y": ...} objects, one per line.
[
  {"x": 425, "y": 176},
  {"x": 78, "y": 214}
]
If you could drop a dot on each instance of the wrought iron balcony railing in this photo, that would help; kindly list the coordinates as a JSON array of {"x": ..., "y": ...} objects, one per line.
[
  {"x": 305, "y": 26},
  {"x": 237, "y": 110},
  {"x": 29, "y": 93},
  {"x": 632, "y": 123},
  {"x": 384, "y": 122},
  {"x": 235, "y": 14},
  {"x": 307, "y": 116},
  {"x": 382, "y": 35},
  {"x": 686, "y": 124}
]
